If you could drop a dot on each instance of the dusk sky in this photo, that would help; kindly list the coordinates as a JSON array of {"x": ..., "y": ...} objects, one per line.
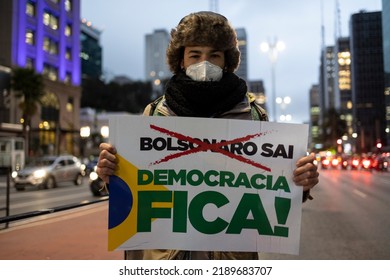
[{"x": 297, "y": 23}]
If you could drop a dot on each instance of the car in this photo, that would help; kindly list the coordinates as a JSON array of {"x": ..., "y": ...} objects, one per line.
[
  {"x": 48, "y": 171},
  {"x": 96, "y": 185},
  {"x": 330, "y": 163},
  {"x": 346, "y": 162},
  {"x": 380, "y": 163},
  {"x": 90, "y": 164},
  {"x": 355, "y": 163},
  {"x": 366, "y": 163}
]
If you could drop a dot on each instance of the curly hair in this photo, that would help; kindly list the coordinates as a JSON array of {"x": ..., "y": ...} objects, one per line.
[{"x": 203, "y": 29}]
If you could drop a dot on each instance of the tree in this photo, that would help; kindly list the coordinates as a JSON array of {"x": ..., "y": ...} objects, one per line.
[{"x": 28, "y": 85}]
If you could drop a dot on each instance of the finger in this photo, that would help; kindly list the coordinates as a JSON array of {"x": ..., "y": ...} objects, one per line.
[
  {"x": 107, "y": 166},
  {"x": 308, "y": 183},
  {"x": 106, "y": 157},
  {"x": 107, "y": 146},
  {"x": 308, "y": 167},
  {"x": 307, "y": 159},
  {"x": 307, "y": 180},
  {"x": 104, "y": 173},
  {"x": 305, "y": 175}
]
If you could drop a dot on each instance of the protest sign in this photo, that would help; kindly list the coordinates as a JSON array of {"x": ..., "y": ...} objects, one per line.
[{"x": 205, "y": 184}]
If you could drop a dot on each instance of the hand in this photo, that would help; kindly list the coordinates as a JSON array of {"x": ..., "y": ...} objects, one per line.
[
  {"x": 107, "y": 162},
  {"x": 306, "y": 174}
]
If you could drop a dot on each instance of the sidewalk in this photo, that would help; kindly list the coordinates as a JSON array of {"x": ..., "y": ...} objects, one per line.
[{"x": 77, "y": 234}]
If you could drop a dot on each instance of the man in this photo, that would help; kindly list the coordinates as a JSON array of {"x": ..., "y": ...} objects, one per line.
[{"x": 203, "y": 55}]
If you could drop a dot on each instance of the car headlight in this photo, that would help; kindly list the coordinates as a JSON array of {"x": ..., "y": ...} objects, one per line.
[
  {"x": 14, "y": 174},
  {"x": 39, "y": 173},
  {"x": 93, "y": 176}
]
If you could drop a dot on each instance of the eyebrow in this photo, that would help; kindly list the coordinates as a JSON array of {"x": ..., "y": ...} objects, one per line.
[{"x": 197, "y": 51}]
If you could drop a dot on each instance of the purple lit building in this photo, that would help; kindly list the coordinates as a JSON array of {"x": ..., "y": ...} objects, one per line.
[{"x": 45, "y": 35}]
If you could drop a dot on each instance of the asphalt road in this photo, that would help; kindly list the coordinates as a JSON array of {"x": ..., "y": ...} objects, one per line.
[
  {"x": 348, "y": 219},
  {"x": 33, "y": 199}
]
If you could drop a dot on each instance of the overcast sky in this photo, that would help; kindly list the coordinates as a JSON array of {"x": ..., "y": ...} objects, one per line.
[{"x": 124, "y": 24}]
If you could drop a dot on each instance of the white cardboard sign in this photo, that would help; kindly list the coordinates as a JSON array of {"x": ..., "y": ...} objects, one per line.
[{"x": 205, "y": 184}]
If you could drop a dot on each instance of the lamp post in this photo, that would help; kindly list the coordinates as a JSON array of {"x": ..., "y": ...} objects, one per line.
[
  {"x": 283, "y": 102},
  {"x": 273, "y": 48}
]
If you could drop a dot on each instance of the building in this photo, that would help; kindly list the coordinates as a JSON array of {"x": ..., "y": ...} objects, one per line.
[
  {"x": 257, "y": 88},
  {"x": 45, "y": 35},
  {"x": 386, "y": 61},
  {"x": 91, "y": 51},
  {"x": 367, "y": 79},
  {"x": 242, "y": 70},
  {"x": 5, "y": 96},
  {"x": 315, "y": 129},
  {"x": 330, "y": 98},
  {"x": 156, "y": 67},
  {"x": 344, "y": 86}
]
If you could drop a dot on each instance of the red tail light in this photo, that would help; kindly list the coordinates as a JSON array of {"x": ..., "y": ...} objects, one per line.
[{"x": 366, "y": 163}]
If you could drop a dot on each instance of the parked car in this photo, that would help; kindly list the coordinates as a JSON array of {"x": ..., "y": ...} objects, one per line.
[{"x": 48, "y": 171}]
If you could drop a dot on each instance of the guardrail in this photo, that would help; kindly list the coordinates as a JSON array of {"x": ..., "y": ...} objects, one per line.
[{"x": 12, "y": 218}]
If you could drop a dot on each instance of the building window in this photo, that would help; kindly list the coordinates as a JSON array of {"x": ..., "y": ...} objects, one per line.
[
  {"x": 30, "y": 9},
  {"x": 84, "y": 56},
  {"x": 69, "y": 105},
  {"x": 51, "y": 72},
  {"x": 68, "y": 5},
  {"x": 68, "y": 54},
  {"x": 50, "y": 46},
  {"x": 50, "y": 20},
  {"x": 68, "y": 78},
  {"x": 68, "y": 30},
  {"x": 29, "y": 63},
  {"x": 30, "y": 38}
]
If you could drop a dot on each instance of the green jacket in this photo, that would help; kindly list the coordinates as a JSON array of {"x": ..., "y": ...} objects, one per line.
[{"x": 248, "y": 109}]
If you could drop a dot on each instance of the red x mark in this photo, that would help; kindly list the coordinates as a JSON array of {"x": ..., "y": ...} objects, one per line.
[{"x": 202, "y": 146}]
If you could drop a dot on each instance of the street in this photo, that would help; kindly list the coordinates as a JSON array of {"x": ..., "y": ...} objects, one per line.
[
  {"x": 33, "y": 199},
  {"x": 347, "y": 219}
]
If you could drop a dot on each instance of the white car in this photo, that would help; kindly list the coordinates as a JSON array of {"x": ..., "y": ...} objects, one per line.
[{"x": 48, "y": 171}]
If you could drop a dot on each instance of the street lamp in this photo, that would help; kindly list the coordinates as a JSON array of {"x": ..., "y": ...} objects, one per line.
[
  {"x": 104, "y": 131},
  {"x": 283, "y": 102},
  {"x": 273, "y": 48},
  {"x": 85, "y": 132}
]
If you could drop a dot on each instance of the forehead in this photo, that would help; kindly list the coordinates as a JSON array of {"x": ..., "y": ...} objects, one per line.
[{"x": 200, "y": 49}]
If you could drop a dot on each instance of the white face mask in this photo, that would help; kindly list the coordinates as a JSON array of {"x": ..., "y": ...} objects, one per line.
[{"x": 204, "y": 71}]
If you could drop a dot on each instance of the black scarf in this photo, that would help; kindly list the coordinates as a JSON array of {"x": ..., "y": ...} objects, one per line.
[{"x": 189, "y": 98}]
